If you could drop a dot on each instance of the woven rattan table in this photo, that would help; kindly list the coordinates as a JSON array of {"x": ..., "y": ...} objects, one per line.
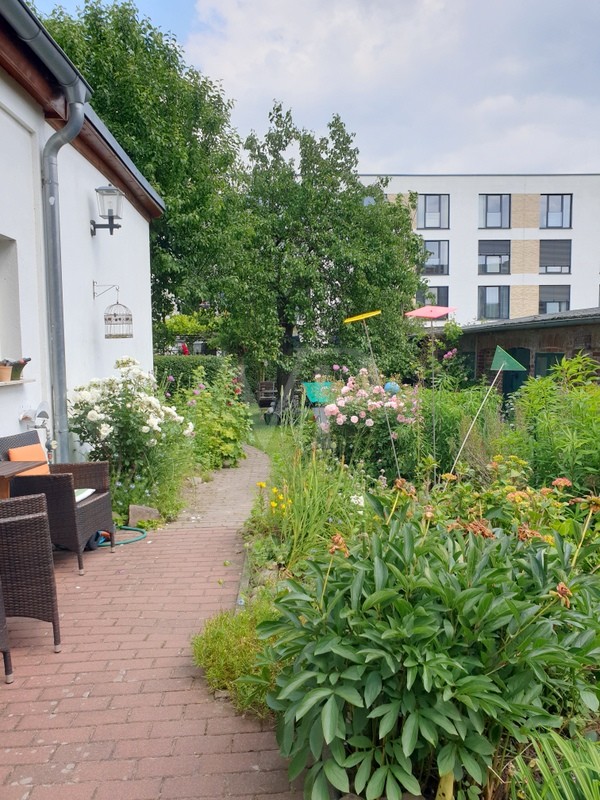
[{"x": 8, "y": 470}]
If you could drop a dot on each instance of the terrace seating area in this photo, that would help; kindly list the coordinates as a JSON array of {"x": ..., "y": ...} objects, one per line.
[{"x": 121, "y": 711}]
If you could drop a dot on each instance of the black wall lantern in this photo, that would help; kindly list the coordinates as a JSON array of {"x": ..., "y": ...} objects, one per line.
[{"x": 110, "y": 207}]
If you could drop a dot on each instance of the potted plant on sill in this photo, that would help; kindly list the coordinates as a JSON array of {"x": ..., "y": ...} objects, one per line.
[{"x": 11, "y": 370}]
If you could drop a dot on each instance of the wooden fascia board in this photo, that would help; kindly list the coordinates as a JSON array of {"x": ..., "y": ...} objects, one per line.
[
  {"x": 27, "y": 70},
  {"x": 94, "y": 148}
]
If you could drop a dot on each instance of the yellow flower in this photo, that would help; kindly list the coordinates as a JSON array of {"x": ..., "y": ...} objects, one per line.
[
  {"x": 283, "y": 506},
  {"x": 280, "y": 497},
  {"x": 273, "y": 504},
  {"x": 261, "y": 485},
  {"x": 275, "y": 490}
]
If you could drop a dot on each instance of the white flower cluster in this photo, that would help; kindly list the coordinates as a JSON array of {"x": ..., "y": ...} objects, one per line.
[{"x": 97, "y": 402}]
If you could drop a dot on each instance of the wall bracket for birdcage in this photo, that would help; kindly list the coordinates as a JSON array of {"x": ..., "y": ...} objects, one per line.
[{"x": 118, "y": 319}]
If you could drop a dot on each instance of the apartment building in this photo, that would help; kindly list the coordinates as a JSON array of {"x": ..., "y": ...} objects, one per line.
[{"x": 507, "y": 246}]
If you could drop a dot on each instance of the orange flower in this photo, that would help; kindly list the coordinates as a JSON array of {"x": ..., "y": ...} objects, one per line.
[
  {"x": 479, "y": 528},
  {"x": 524, "y": 533},
  {"x": 563, "y": 592},
  {"x": 338, "y": 543},
  {"x": 561, "y": 483}
]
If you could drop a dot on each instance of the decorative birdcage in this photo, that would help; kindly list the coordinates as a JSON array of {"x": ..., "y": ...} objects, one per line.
[
  {"x": 118, "y": 322},
  {"x": 118, "y": 319}
]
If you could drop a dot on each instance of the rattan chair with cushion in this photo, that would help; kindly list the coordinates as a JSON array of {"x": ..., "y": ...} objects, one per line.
[
  {"x": 26, "y": 563},
  {"x": 4, "y": 643},
  {"x": 72, "y": 523}
]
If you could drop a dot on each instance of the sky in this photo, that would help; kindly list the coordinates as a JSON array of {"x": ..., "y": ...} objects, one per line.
[{"x": 426, "y": 86}]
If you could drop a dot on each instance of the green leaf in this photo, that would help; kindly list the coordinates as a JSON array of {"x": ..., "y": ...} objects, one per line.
[
  {"x": 330, "y": 714},
  {"x": 446, "y": 758},
  {"x": 349, "y": 694},
  {"x": 324, "y": 644},
  {"x": 311, "y": 699},
  {"x": 380, "y": 573},
  {"x": 381, "y": 597},
  {"x": 428, "y": 730},
  {"x": 363, "y": 773},
  {"x": 471, "y": 765},
  {"x": 410, "y": 783},
  {"x": 392, "y": 790},
  {"x": 315, "y": 739},
  {"x": 320, "y": 788},
  {"x": 589, "y": 699},
  {"x": 298, "y": 763},
  {"x": 294, "y": 684},
  {"x": 389, "y": 720},
  {"x": 479, "y": 744},
  {"x": 376, "y": 784},
  {"x": 336, "y": 775},
  {"x": 373, "y": 686},
  {"x": 410, "y": 733}
]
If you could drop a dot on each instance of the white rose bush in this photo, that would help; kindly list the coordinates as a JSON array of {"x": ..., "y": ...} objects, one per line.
[{"x": 120, "y": 419}]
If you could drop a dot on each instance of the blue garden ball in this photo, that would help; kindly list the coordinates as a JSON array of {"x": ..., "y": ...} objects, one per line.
[{"x": 392, "y": 387}]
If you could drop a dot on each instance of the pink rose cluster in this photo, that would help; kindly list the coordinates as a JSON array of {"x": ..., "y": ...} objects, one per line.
[
  {"x": 450, "y": 354},
  {"x": 359, "y": 402}
]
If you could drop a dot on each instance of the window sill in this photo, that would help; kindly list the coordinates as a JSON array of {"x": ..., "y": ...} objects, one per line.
[{"x": 17, "y": 383}]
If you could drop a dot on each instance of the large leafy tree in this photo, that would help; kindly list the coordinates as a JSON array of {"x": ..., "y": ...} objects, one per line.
[
  {"x": 319, "y": 246},
  {"x": 174, "y": 123}
]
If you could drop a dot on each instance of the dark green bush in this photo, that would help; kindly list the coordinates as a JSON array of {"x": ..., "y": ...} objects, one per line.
[
  {"x": 420, "y": 657},
  {"x": 182, "y": 369}
]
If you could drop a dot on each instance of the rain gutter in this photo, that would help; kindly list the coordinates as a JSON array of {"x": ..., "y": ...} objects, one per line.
[{"x": 76, "y": 91}]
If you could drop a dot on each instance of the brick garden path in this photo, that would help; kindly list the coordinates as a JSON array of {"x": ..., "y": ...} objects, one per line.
[{"x": 122, "y": 713}]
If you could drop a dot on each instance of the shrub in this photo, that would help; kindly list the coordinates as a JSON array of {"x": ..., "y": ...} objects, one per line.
[
  {"x": 228, "y": 648},
  {"x": 121, "y": 420},
  {"x": 310, "y": 498},
  {"x": 182, "y": 368},
  {"x": 221, "y": 420},
  {"x": 416, "y": 656},
  {"x": 560, "y": 417}
]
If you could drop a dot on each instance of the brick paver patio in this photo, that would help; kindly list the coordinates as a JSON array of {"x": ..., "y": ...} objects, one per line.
[{"x": 122, "y": 713}]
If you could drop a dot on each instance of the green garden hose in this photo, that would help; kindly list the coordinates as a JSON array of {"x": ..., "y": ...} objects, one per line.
[{"x": 141, "y": 531}]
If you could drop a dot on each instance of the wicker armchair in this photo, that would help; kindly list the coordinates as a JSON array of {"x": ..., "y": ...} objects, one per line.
[
  {"x": 71, "y": 524},
  {"x": 4, "y": 643},
  {"x": 26, "y": 567}
]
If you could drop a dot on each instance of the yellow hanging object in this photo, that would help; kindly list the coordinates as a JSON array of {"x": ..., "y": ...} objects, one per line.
[
  {"x": 445, "y": 789},
  {"x": 359, "y": 317}
]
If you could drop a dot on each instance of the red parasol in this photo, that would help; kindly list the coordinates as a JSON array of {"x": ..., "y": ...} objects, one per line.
[{"x": 430, "y": 312}]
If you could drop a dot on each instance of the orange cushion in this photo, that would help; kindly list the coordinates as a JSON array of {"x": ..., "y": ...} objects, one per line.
[{"x": 30, "y": 452}]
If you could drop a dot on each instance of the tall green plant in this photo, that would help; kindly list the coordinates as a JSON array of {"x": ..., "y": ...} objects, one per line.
[
  {"x": 559, "y": 769},
  {"x": 416, "y": 656},
  {"x": 221, "y": 419},
  {"x": 560, "y": 414}
]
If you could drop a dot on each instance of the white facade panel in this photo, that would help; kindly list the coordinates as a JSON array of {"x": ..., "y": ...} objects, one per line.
[
  {"x": 464, "y": 234},
  {"x": 122, "y": 259}
]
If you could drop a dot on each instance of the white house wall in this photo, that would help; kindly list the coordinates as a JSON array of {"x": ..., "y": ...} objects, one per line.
[
  {"x": 121, "y": 259},
  {"x": 463, "y": 235}
]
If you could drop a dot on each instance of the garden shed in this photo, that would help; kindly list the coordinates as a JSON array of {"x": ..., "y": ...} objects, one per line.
[{"x": 537, "y": 342}]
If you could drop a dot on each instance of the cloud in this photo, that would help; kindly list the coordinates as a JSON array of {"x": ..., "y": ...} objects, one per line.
[{"x": 425, "y": 84}]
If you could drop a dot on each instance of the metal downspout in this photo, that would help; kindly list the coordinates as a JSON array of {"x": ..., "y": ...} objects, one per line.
[{"x": 54, "y": 293}]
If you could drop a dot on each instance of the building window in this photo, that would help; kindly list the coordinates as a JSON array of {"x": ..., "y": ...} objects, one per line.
[
  {"x": 494, "y": 257},
  {"x": 554, "y": 299},
  {"x": 544, "y": 363},
  {"x": 494, "y": 211},
  {"x": 493, "y": 302},
  {"x": 433, "y": 295},
  {"x": 437, "y": 258},
  {"x": 433, "y": 211},
  {"x": 555, "y": 256},
  {"x": 555, "y": 210}
]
